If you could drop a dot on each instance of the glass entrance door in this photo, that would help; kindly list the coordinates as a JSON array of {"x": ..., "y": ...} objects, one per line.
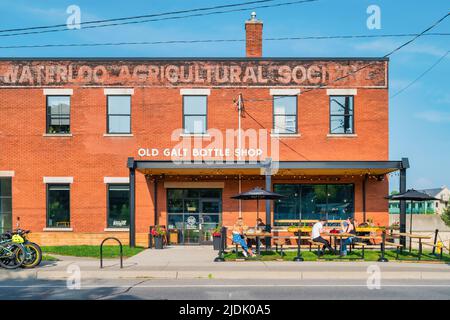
[
  {"x": 209, "y": 219},
  {"x": 194, "y": 213}
]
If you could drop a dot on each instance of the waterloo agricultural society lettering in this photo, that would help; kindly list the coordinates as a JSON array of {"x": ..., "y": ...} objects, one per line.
[{"x": 195, "y": 73}]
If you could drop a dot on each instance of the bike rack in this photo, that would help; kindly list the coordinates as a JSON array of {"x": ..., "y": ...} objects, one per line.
[{"x": 101, "y": 251}]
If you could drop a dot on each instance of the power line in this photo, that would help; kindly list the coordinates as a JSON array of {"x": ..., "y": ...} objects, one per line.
[
  {"x": 164, "y": 18},
  {"x": 340, "y": 78},
  {"x": 417, "y": 36},
  {"x": 281, "y": 141},
  {"x": 371, "y": 64},
  {"x": 214, "y": 40},
  {"x": 421, "y": 75},
  {"x": 137, "y": 17}
]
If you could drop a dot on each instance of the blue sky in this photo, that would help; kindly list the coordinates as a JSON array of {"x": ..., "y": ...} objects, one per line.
[{"x": 419, "y": 117}]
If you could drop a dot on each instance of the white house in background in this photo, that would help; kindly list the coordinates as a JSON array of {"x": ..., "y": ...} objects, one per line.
[{"x": 443, "y": 194}]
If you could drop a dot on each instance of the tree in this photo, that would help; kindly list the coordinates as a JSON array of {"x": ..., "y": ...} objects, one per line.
[{"x": 446, "y": 216}]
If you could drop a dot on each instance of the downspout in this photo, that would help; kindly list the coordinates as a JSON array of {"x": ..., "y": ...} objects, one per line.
[
  {"x": 155, "y": 201},
  {"x": 364, "y": 188}
]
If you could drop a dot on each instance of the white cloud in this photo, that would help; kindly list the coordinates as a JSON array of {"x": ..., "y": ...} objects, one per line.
[
  {"x": 386, "y": 45},
  {"x": 433, "y": 116}
]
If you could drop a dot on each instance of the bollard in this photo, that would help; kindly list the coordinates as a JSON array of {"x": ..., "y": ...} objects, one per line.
[
  {"x": 383, "y": 246},
  {"x": 299, "y": 257},
  {"x": 223, "y": 239},
  {"x": 436, "y": 232}
]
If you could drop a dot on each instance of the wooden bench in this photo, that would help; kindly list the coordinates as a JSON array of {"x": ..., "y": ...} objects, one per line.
[
  {"x": 280, "y": 241},
  {"x": 318, "y": 244},
  {"x": 397, "y": 247},
  {"x": 361, "y": 245}
]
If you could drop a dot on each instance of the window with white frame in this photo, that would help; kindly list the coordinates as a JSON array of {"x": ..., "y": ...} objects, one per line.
[
  {"x": 341, "y": 114},
  {"x": 285, "y": 114},
  {"x": 195, "y": 114},
  {"x": 119, "y": 114},
  {"x": 58, "y": 114}
]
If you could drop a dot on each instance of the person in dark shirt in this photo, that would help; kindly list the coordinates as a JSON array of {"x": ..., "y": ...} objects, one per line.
[{"x": 348, "y": 227}]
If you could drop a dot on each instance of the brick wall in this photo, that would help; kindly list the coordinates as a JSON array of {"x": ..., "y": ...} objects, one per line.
[{"x": 88, "y": 155}]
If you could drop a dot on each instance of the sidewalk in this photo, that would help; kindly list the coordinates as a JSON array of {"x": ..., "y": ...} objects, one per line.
[{"x": 197, "y": 263}]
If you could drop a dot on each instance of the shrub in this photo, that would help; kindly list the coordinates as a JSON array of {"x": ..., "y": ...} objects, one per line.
[{"x": 446, "y": 216}]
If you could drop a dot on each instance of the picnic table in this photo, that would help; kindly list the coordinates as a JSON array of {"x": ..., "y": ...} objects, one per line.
[
  {"x": 415, "y": 236},
  {"x": 257, "y": 235},
  {"x": 358, "y": 229},
  {"x": 341, "y": 236}
]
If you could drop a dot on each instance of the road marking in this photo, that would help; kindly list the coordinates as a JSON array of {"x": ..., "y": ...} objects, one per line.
[{"x": 232, "y": 286}]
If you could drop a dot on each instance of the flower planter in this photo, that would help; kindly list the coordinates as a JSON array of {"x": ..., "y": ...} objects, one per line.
[
  {"x": 158, "y": 242},
  {"x": 216, "y": 242}
]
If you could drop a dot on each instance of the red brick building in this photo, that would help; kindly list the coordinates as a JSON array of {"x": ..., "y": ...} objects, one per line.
[{"x": 91, "y": 147}]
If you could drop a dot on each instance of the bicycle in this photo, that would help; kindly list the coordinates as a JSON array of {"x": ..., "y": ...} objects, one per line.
[
  {"x": 33, "y": 252},
  {"x": 12, "y": 251}
]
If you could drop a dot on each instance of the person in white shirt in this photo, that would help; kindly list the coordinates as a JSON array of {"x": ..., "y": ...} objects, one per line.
[{"x": 317, "y": 229}]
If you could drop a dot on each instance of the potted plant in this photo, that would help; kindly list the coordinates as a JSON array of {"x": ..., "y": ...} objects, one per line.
[
  {"x": 395, "y": 225},
  {"x": 158, "y": 234},
  {"x": 217, "y": 237}
]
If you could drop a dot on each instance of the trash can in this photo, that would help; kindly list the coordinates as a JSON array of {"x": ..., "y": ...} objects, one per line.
[{"x": 173, "y": 236}]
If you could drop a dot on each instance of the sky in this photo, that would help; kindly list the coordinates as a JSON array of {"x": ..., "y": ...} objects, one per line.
[{"x": 419, "y": 120}]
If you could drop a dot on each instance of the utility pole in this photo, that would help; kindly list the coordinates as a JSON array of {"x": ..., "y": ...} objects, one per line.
[{"x": 240, "y": 107}]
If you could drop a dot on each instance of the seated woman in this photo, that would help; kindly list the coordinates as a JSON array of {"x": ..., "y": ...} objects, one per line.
[
  {"x": 238, "y": 237},
  {"x": 348, "y": 226}
]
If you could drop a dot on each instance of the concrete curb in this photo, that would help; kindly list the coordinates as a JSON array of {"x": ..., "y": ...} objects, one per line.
[{"x": 236, "y": 275}]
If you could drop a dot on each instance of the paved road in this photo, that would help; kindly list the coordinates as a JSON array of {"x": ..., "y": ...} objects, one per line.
[{"x": 225, "y": 289}]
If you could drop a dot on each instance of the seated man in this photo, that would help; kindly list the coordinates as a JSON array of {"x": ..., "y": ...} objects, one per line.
[
  {"x": 317, "y": 229},
  {"x": 260, "y": 226}
]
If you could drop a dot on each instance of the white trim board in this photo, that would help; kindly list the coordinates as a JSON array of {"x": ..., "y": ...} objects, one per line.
[
  {"x": 116, "y": 179},
  {"x": 342, "y": 92},
  {"x": 195, "y": 92},
  {"x": 58, "y": 92},
  {"x": 284, "y": 92},
  {"x": 58, "y": 179},
  {"x": 118, "y": 91},
  {"x": 7, "y": 173}
]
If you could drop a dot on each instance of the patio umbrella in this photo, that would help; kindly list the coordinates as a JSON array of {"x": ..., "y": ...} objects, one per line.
[
  {"x": 258, "y": 194},
  {"x": 411, "y": 195}
]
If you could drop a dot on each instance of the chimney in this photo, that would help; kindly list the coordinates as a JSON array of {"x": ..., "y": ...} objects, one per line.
[{"x": 253, "y": 35}]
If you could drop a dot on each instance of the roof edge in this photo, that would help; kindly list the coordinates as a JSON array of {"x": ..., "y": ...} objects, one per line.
[{"x": 197, "y": 58}]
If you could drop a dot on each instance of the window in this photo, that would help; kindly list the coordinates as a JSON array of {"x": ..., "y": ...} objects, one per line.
[
  {"x": 313, "y": 201},
  {"x": 118, "y": 206},
  {"x": 5, "y": 205},
  {"x": 341, "y": 115},
  {"x": 194, "y": 114},
  {"x": 285, "y": 114},
  {"x": 119, "y": 114},
  {"x": 58, "y": 114},
  {"x": 58, "y": 206}
]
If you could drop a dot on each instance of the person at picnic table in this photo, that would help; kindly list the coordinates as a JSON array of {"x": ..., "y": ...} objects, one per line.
[
  {"x": 260, "y": 226},
  {"x": 348, "y": 226},
  {"x": 317, "y": 229},
  {"x": 238, "y": 237}
]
